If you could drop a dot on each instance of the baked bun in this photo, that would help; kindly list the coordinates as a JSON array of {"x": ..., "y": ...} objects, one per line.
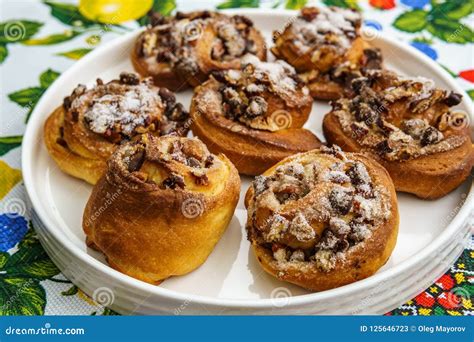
[
  {"x": 182, "y": 50},
  {"x": 161, "y": 206},
  {"x": 407, "y": 125},
  {"x": 253, "y": 115},
  {"x": 322, "y": 219},
  {"x": 325, "y": 46},
  {"x": 84, "y": 132}
]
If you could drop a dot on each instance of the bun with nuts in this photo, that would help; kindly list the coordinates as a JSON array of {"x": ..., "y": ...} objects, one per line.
[
  {"x": 322, "y": 219},
  {"x": 253, "y": 115},
  {"x": 326, "y": 47},
  {"x": 407, "y": 125},
  {"x": 182, "y": 50},
  {"x": 161, "y": 206},
  {"x": 84, "y": 132}
]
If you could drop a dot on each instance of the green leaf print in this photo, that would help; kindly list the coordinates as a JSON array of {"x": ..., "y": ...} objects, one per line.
[
  {"x": 53, "y": 38},
  {"x": 452, "y": 9},
  {"x": 20, "y": 274},
  {"x": 3, "y": 258},
  {"x": 413, "y": 21},
  {"x": 442, "y": 21},
  {"x": 20, "y": 296},
  {"x": 450, "y": 31},
  {"x": 238, "y": 4},
  {"x": 471, "y": 93},
  {"x": 71, "y": 292},
  {"x": 165, "y": 7},
  {"x": 75, "y": 54},
  {"x": 29, "y": 97},
  {"x": 3, "y": 53},
  {"x": 342, "y": 3},
  {"x": 13, "y": 31},
  {"x": 68, "y": 14},
  {"x": 31, "y": 261},
  {"x": 295, "y": 4},
  {"x": 7, "y": 144},
  {"x": 16, "y": 31},
  {"x": 48, "y": 77},
  {"x": 109, "y": 312}
]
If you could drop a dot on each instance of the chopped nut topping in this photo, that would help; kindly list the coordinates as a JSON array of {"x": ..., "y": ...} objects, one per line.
[
  {"x": 129, "y": 78},
  {"x": 173, "y": 181},
  {"x": 245, "y": 93},
  {"x": 330, "y": 219},
  {"x": 326, "y": 36},
  {"x": 171, "y": 39},
  {"x": 431, "y": 136},
  {"x": 358, "y": 174},
  {"x": 122, "y": 108},
  {"x": 341, "y": 200},
  {"x": 414, "y": 127},
  {"x": 257, "y": 106},
  {"x": 332, "y": 26},
  {"x": 376, "y": 119}
]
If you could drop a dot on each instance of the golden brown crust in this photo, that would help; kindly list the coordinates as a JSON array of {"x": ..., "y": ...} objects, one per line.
[
  {"x": 161, "y": 207},
  {"x": 408, "y": 127},
  {"x": 355, "y": 263},
  {"x": 252, "y": 143},
  {"x": 80, "y": 141},
  {"x": 326, "y": 52},
  {"x": 76, "y": 165},
  {"x": 428, "y": 177},
  {"x": 179, "y": 52},
  {"x": 161, "y": 73}
]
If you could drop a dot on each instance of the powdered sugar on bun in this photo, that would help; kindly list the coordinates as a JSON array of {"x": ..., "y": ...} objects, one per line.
[{"x": 315, "y": 209}]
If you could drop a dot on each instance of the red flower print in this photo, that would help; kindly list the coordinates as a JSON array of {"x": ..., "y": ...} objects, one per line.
[
  {"x": 468, "y": 75},
  {"x": 382, "y": 4},
  {"x": 425, "y": 299},
  {"x": 449, "y": 300},
  {"x": 446, "y": 282}
]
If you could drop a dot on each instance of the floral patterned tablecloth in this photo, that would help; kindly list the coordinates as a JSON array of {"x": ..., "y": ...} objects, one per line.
[{"x": 39, "y": 40}]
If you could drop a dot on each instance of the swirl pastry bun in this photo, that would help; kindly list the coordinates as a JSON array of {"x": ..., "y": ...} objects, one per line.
[
  {"x": 161, "y": 207},
  {"x": 84, "y": 132},
  {"x": 182, "y": 50},
  {"x": 326, "y": 47},
  {"x": 253, "y": 115},
  {"x": 407, "y": 125},
  {"x": 322, "y": 219}
]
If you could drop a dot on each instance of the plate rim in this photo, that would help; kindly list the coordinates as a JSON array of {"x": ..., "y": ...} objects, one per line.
[{"x": 36, "y": 123}]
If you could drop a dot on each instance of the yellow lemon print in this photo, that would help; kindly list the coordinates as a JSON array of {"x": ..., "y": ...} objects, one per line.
[
  {"x": 114, "y": 11},
  {"x": 9, "y": 177},
  {"x": 85, "y": 298}
]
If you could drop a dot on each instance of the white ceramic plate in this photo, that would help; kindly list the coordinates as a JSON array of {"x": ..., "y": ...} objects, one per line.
[{"x": 431, "y": 236}]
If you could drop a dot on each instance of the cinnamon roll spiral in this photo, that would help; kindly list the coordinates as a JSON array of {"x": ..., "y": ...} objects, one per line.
[
  {"x": 408, "y": 126},
  {"x": 253, "y": 115}
]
